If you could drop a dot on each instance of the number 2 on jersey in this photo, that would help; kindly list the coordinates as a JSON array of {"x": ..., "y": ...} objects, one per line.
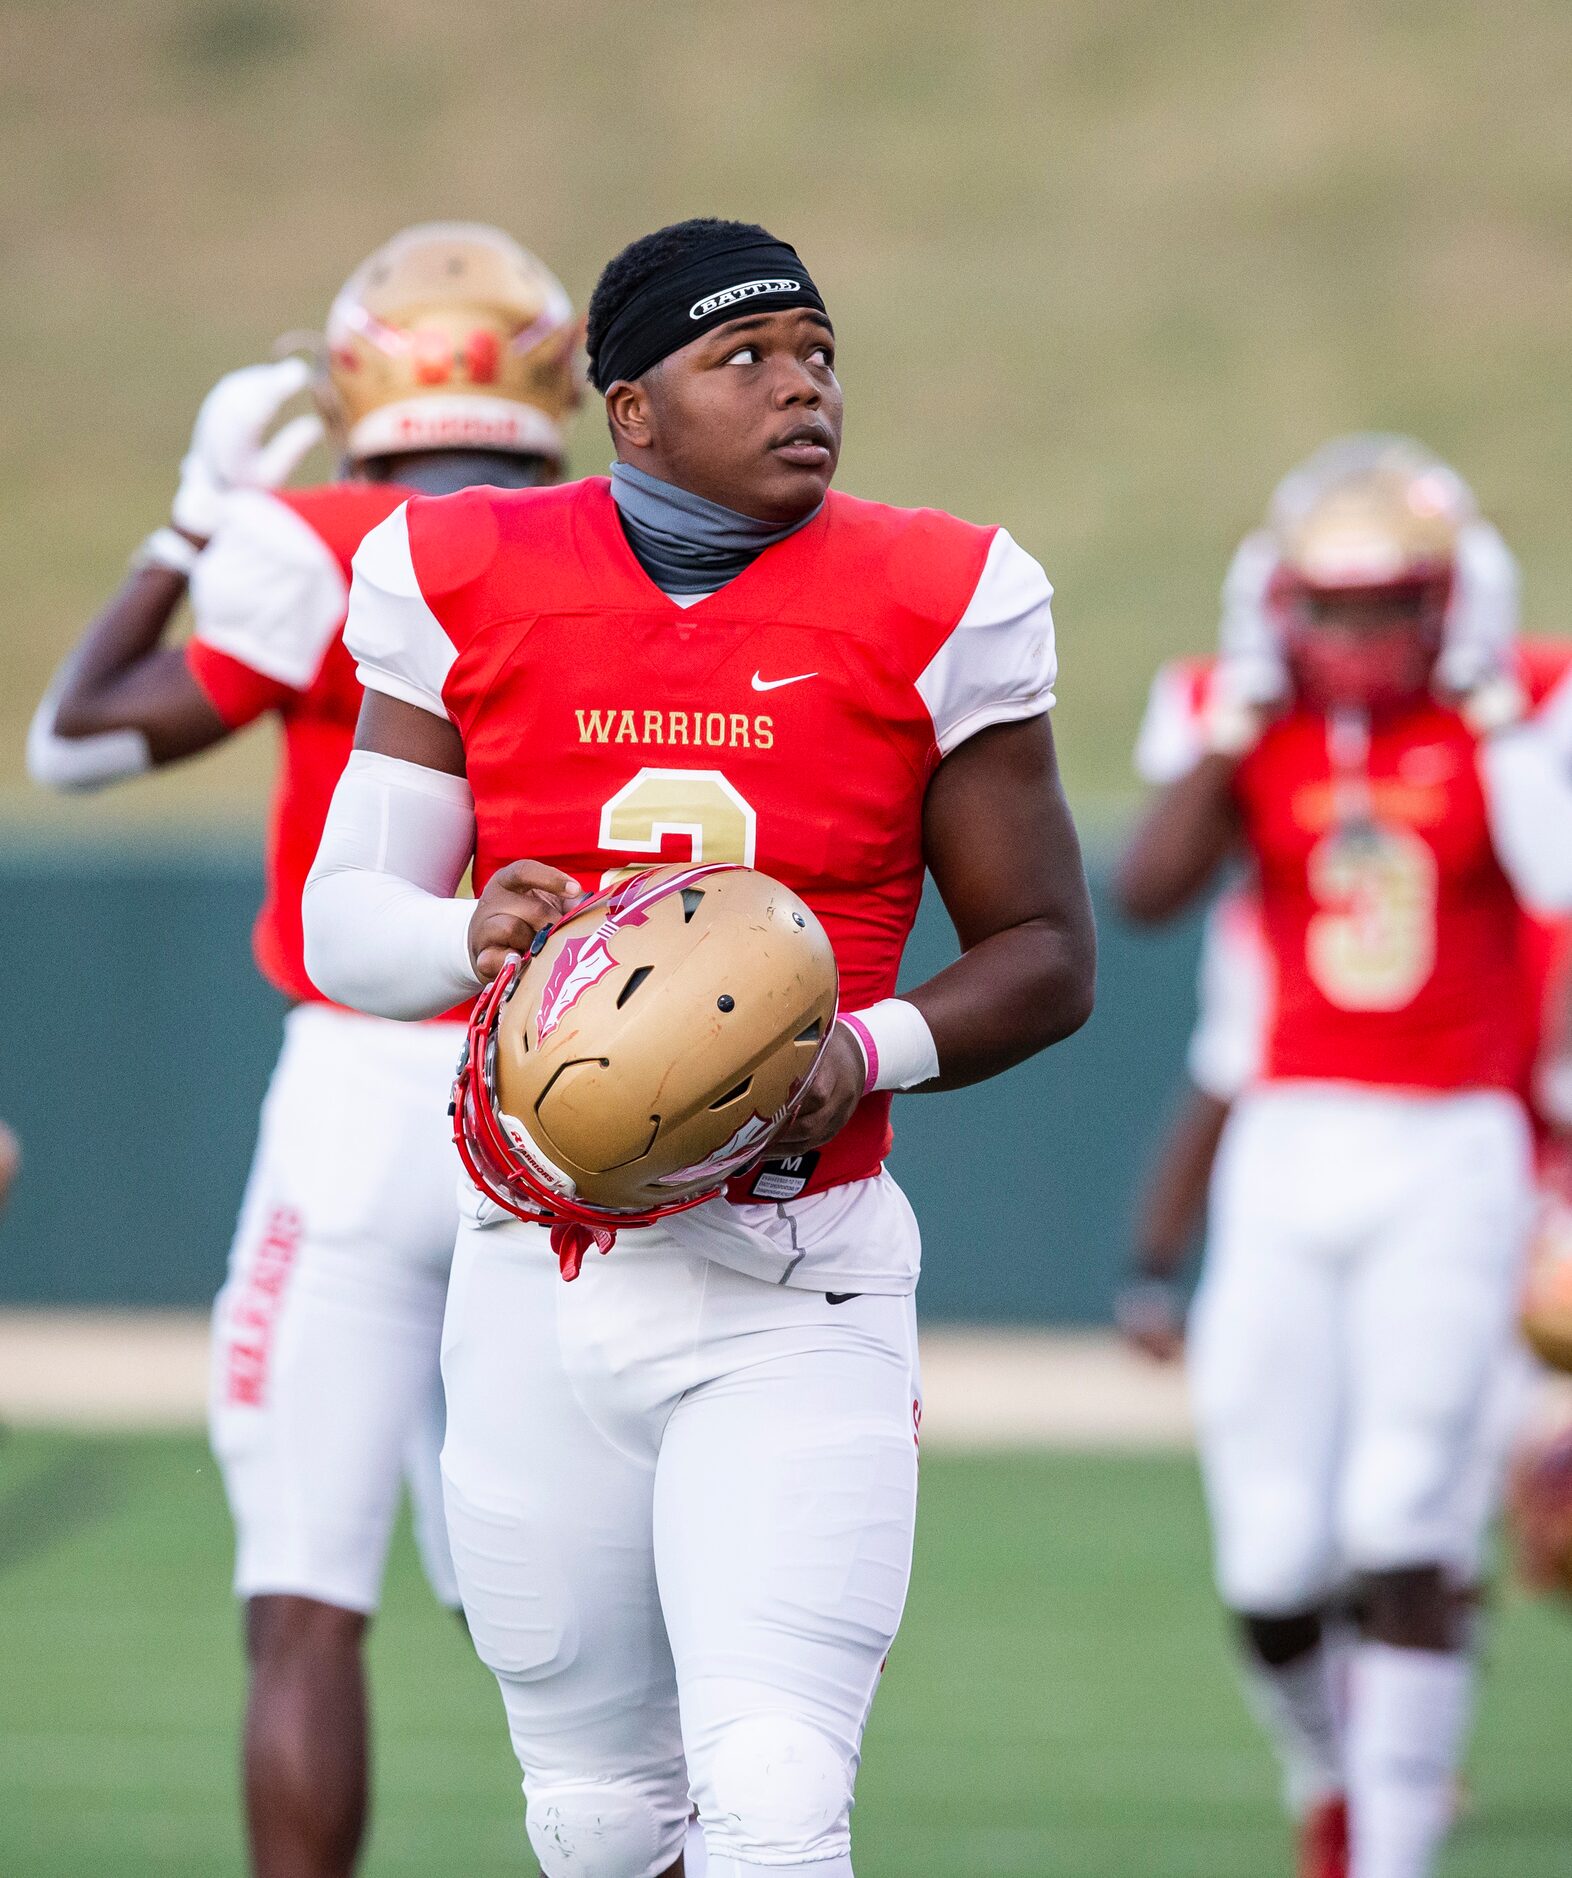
[{"x": 698, "y": 804}]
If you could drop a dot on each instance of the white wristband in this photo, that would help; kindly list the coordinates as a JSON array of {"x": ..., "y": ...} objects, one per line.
[
  {"x": 898, "y": 1050},
  {"x": 167, "y": 547}
]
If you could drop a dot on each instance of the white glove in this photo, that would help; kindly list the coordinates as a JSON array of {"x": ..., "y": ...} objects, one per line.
[
  {"x": 1247, "y": 637},
  {"x": 1481, "y": 621},
  {"x": 228, "y": 451},
  {"x": 1251, "y": 677}
]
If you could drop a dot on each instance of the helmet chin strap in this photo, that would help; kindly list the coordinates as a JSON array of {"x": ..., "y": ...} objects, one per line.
[{"x": 504, "y": 1173}]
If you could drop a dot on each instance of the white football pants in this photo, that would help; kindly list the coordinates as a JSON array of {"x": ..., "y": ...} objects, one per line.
[
  {"x": 681, "y": 1504},
  {"x": 1363, "y": 1262},
  {"x": 324, "y": 1389}
]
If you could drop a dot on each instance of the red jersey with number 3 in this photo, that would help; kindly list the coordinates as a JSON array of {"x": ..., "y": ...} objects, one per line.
[
  {"x": 790, "y": 721},
  {"x": 1397, "y": 943},
  {"x": 269, "y": 594},
  {"x": 1393, "y": 929}
]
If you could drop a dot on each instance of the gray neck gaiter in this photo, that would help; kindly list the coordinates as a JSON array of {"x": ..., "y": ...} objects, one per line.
[{"x": 685, "y": 543}]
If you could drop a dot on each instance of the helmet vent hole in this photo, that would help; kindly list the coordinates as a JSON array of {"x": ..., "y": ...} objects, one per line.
[
  {"x": 813, "y": 1033},
  {"x": 733, "y": 1095},
  {"x": 635, "y": 979},
  {"x": 692, "y": 897}
]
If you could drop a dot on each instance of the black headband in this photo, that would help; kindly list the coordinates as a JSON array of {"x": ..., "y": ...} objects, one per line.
[{"x": 732, "y": 279}]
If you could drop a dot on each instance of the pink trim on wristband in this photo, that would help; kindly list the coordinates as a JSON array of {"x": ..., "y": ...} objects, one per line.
[{"x": 870, "y": 1050}]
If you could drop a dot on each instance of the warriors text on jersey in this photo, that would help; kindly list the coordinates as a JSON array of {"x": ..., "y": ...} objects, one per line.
[{"x": 790, "y": 721}]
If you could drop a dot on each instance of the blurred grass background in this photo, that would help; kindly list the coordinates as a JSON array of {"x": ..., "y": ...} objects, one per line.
[{"x": 1101, "y": 268}]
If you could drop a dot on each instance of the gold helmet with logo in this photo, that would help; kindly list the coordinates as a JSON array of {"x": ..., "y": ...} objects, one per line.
[
  {"x": 1374, "y": 522},
  {"x": 450, "y": 337},
  {"x": 1367, "y": 512},
  {"x": 651, "y": 1046}
]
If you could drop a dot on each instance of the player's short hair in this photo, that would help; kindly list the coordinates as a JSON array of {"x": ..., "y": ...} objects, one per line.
[{"x": 625, "y": 273}]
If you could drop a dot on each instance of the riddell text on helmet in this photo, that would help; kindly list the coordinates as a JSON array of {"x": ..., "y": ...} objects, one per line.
[{"x": 431, "y": 429}]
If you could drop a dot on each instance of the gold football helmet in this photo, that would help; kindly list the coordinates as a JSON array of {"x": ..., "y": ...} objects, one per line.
[
  {"x": 450, "y": 337},
  {"x": 1369, "y": 511},
  {"x": 1371, "y": 523},
  {"x": 651, "y": 1046}
]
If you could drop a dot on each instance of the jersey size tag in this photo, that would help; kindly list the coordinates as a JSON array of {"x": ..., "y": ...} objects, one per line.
[{"x": 783, "y": 1179}]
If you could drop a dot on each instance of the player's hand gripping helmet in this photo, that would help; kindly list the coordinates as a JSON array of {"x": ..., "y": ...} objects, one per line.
[
  {"x": 450, "y": 337},
  {"x": 1370, "y": 519},
  {"x": 652, "y": 1044}
]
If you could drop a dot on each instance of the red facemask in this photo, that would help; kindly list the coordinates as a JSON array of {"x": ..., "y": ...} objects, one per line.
[{"x": 1373, "y": 669}]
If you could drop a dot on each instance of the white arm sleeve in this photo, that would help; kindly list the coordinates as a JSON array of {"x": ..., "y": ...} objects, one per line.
[
  {"x": 268, "y": 591},
  {"x": 80, "y": 763},
  {"x": 397, "y": 641},
  {"x": 998, "y": 664},
  {"x": 383, "y": 931}
]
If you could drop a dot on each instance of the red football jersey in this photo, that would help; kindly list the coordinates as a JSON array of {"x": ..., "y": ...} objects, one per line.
[
  {"x": 789, "y": 721},
  {"x": 1398, "y": 946},
  {"x": 1394, "y": 932},
  {"x": 269, "y": 596}
]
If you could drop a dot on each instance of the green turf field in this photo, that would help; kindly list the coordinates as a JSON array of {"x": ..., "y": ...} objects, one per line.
[{"x": 1059, "y": 1705}]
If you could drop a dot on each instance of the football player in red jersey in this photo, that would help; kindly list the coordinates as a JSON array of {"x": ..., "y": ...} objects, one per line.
[
  {"x": 1223, "y": 1061},
  {"x": 696, "y": 1477},
  {"x": 448, "y": 361},
  {"x": 1360, "y": 741}
]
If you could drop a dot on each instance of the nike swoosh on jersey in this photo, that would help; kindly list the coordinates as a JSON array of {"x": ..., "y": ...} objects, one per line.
[{"x": 774, "y": 684}]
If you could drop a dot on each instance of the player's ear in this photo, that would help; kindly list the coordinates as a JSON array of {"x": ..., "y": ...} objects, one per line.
[{"x": 628, "y": 413}]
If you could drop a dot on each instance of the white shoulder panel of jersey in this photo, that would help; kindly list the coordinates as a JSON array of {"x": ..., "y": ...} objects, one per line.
[
  {"x": 1229, "y": 1039},
  {"x": 999, "y": 663},
  {"x": 268, "y": 591},
  {"x": 1170, "y": 742},
  {"x": 397, "y": 641}
]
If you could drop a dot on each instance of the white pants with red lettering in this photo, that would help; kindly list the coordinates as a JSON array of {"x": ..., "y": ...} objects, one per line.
[
  {"x": 1350, "y": 1331},
  {"x": 681, "y": 1503},
  {"x": 325, "y": 1394}
]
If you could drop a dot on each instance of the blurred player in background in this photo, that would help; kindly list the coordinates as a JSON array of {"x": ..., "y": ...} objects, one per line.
[
  {"x": 1224, "y": 1059},
  {"x": 698, "y": 1472},
  {"x": 448, "y": 360},
  {"x": 1360, "y": 742}
]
